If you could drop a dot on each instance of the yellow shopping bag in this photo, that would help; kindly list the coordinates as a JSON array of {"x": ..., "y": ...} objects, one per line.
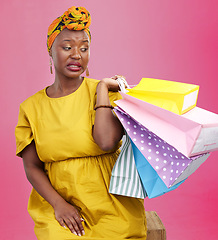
[{"x": 176, "y": 97}]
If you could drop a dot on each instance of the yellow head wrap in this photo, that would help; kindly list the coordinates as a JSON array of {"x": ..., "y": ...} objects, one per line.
[{"x": 75, "y": 18}]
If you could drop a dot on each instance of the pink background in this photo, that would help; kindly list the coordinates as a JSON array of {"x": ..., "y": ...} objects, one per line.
[{"x": 174, "y": 40}]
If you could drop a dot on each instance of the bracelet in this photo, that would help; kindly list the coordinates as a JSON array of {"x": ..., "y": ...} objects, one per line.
[{"x": 103, "y": 106}]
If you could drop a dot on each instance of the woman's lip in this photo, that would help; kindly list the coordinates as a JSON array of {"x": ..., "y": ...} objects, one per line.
[
  {"x": 74, "y": 64},
  {"x": 74, "y": 68}
]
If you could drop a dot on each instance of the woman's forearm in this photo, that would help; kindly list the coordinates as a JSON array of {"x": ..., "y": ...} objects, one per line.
[
  {"x": 65, "y": 213},
  {"x": 34, "y": 169},
  {"x": 107, "y": 130},
  {"x": 42, "y": 185}
]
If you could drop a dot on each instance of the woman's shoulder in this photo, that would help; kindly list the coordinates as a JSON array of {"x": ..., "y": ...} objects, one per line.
[
  {"x": 92, "y": 84},
  {"x": 33, "y": 99},
  {"x": 92, "y": 81}
]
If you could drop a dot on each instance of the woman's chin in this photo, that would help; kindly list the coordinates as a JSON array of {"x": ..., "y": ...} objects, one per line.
[{"x": 73, "y": 74}]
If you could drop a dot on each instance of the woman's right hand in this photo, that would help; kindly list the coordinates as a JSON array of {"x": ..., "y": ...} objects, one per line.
[{"x": 68, "y": 216}]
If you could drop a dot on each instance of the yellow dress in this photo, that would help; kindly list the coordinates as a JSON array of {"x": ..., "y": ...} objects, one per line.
[{"x": 77, "y": 168}]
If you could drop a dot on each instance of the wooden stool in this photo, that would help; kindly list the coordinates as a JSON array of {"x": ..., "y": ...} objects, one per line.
[{"x": 155, "y": 228}]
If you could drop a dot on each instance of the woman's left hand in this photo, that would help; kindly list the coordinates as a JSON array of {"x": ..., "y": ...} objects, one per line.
[{"x": 111, "y": 83}]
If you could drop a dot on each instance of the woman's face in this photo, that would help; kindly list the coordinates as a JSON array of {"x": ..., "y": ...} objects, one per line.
[{"x": 70, "y": 53}]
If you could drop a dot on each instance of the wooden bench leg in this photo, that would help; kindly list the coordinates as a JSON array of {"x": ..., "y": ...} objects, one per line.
[{"x": 155, "y": 228}]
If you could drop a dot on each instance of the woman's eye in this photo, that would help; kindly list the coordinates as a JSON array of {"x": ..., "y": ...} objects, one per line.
[
  {"x": 66, "y": 48},
  {"x": 84, "y": 49}
]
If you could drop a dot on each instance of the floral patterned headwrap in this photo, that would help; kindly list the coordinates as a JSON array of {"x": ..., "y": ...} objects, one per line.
[{"x": 75, "y": 18}]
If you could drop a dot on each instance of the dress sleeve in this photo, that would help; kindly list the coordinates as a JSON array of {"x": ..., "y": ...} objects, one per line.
[
  {"x": 113, "y": 96},
  {"x": 23, "y": 132}
]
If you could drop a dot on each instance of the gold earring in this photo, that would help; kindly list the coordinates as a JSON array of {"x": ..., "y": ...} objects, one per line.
[
  {"x": 87, "y": 72},
  {"x": 51, "y": 66}
]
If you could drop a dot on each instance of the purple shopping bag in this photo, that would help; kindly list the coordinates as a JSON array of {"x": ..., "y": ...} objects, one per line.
[{"x": 170, "y": 164}]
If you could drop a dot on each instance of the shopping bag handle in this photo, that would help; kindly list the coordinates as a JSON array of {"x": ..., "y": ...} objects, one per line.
[{"x": 122, "y": 84}]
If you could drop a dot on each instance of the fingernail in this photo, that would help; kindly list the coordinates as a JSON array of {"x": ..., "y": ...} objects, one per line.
[
  {"x": 75, "y": 233},
  {"x": 79, "y": 234},
  {"x": 82, "y": 219},
  {"x": 64, "y": 226},
  {"x": 83, "y": 232}
]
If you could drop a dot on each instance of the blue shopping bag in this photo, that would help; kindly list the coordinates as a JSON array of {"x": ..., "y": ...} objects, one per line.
[{"x": 152, "y": 183}]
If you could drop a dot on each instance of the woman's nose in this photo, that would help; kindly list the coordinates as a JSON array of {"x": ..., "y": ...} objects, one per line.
[{"x": 75, "y": 54}]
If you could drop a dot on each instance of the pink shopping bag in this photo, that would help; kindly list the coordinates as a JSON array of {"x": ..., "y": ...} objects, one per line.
[{"x": 192, "y": 133}]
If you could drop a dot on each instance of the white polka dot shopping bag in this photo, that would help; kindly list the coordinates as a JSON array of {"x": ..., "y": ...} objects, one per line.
[{"x": 161, "y": 167}]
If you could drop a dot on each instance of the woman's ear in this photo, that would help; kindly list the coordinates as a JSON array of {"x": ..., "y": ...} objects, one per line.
[{"x": 50, "y": 53}]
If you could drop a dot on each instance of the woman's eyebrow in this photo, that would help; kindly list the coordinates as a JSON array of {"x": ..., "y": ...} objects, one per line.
[
  {"x": 69, "y": 40},
  {"x": 66, "y": 40}
]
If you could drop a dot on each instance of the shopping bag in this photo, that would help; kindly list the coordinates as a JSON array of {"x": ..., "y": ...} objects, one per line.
[
  {"x": 193, "y": 133},
  {"x": 176, "y": 97},
  {"x": 170, "y": 165},
  {"x": 151, "y": 182},
  {"x": 124, "y": 177}
]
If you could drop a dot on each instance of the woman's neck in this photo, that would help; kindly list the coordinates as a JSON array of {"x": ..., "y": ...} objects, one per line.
[{"x": 64, "y": 87}]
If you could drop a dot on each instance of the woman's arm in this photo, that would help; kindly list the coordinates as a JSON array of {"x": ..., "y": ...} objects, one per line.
[
  {"x": 65, "y": 213},
  {"x": 107, "y": 130}
]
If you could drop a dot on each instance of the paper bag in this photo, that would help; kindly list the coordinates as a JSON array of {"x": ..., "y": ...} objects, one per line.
[
  {"x": 193, "y": 133},
  {"x": 169, "y": 167},
  {"x": 176, "y": 97},
  {"x": 124, "y": 177}
]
